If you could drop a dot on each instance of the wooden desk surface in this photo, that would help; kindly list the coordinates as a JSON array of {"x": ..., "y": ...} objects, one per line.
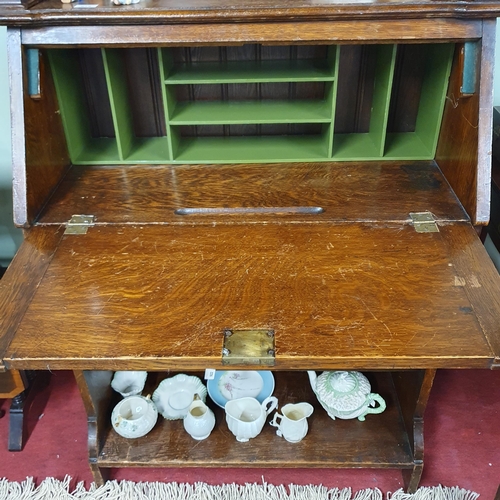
[{"x": 367, "y": 293}]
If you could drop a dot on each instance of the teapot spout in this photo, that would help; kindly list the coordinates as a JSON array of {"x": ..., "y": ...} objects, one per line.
[{"x": 312, "y": 379}]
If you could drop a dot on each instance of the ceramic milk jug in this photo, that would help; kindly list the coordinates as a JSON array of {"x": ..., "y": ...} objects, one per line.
[
  {"x": 199, "y": 420},
  {"x": 245, "y": 417},
  {"x": 134, "y": 416},
  {"x": 345, "y": 394},
  {"x": 293, "y": 421}
]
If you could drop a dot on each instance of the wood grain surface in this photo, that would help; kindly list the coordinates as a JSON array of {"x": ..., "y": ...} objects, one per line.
[
  {"x": 162, "y": 11},
  {"x": 22, "y": 278},
  {"x": 464, "y": 148},
  {"x": 362, "y": 295},
  {"x": 415, "y": 30},
  {"x": 361, "y": 191}
]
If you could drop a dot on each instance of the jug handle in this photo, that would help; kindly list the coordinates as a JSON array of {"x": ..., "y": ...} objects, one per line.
[
  {"x": 274, "y": 423},
  {"x": 379, "y": 399},
  {"x": 272, "y": 401}
]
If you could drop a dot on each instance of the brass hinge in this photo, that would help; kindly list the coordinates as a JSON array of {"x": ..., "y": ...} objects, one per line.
[
  {"x": 424, "y": 222},
  {"x": 79, "y": 224},
  {"x": 248, "y": 347}
]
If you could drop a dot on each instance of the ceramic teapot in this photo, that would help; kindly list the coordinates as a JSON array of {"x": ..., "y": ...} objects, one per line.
[{"x": 345, "y": 394}]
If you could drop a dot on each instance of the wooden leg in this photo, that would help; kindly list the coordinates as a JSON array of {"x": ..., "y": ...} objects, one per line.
[
  {"x": 34, "y": 382},
  {"x": 497, "y": 496},
  {"x": 97, "y": 473},
  {"x": 413, "y": 388},
  {"x": 17, "y": 422},
  {"x": 97, "y": 395}
]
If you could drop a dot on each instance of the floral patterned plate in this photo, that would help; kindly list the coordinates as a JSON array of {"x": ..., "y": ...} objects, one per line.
[{"x": 228, "y": 385}]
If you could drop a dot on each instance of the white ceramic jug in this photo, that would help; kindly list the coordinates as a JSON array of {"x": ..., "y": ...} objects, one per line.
[
  {"x": 245, "y": 417},
  {"x": 134, "y": 416},
  {"x": 293, "y": 426},
  {"x": 199, "y": 420}
]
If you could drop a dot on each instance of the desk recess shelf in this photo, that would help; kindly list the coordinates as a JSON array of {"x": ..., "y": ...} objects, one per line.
[
  {"x": 251, "y": 167},
  {"x": 338, "y": 443}
]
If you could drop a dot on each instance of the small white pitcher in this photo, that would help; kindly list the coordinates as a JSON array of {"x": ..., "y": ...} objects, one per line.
[
  {"x": 199, "y": 420},
  {"x": 293, "y": 426},
  {"x": 246, "y": 417}
]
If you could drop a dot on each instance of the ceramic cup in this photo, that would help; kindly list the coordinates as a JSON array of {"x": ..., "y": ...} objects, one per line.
[
  {"x": 134, "y": 416},
  {"x": 129, "y": 383},
  {"x": 245, "y": 417},
  {"x": 292, "y": 423}
]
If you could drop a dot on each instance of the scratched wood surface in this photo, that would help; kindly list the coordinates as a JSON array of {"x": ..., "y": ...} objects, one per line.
[
  {"x": 362, "y": 295},
  {"x": 176, "y": 11},
  {"x": 339, "y": 443},
  {"x": 361, "y": 191}
]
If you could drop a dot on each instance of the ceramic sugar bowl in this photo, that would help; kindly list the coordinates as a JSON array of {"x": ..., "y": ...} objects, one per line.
[
  {"x": 345, "y": 394},
  {"x": 134, "y": 416}
]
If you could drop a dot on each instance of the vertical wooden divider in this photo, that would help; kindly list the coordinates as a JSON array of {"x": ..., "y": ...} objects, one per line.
[
  {"x": 71, "y": 99},
  {"x": 434, "y": 94},
  {"x": 384, "y": 75},
  {"x": 168, "y": 94},
  {"x": 116, "y": 80},
  {"x": 331, "y": 94}
]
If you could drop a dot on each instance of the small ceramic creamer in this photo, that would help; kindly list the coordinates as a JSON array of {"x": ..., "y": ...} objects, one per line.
[
  {"x": 293, "y": 421},
  {"x": 345, "y": 394},
  {"x": 199, "y": 420},
  {"x": 134, "y": 416},
  {"x": 245, "y": 417}
]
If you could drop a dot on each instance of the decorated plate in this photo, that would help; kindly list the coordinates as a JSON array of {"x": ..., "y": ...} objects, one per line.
[
  {"x": 229, "y": 385},
  {"x": 174, "y": 395}
]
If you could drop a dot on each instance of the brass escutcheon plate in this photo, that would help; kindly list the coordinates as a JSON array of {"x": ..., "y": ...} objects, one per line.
[{"x": 248, "y": 347}]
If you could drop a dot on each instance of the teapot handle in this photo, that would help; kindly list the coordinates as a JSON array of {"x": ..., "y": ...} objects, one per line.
[
  {"x": 273, "y": 404},
  {"x": 372, "y": 397}
]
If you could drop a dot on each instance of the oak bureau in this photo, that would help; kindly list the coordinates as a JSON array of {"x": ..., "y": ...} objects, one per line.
[{"x": 306, "y": 174}]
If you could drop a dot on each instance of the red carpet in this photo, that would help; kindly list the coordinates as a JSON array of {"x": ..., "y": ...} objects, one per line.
[{"x": 462, "y": 443}]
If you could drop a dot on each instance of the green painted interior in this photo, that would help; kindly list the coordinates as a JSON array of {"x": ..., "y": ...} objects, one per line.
[{"x": 320, "y": 146}]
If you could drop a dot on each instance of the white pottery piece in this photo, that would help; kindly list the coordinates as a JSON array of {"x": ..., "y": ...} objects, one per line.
[
  {"x": 134, "y": 416},
  {"x": 125, "y": 2},
  {"x": 245, "y": 417},
  {"x": 345, "y": 394},
  {"x": 174, "y": 395},
  {"x": 199, "y": 421},
  {"x": 129, "y": 383},
  {"x": 293, "y": 423}
]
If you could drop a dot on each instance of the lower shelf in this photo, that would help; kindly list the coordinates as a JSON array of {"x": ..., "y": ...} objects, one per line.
[{"x": 380, "y": 441}]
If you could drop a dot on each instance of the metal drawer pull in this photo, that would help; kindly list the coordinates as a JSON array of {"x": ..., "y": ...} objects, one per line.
[{"x": 249, "y": 210}]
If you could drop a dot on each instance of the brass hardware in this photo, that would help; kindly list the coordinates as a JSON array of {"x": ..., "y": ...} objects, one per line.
[
  {"x": 79, "y": 224},
  {"x": 424, "y": 222},
  {"x": 248, "y": 347}
]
